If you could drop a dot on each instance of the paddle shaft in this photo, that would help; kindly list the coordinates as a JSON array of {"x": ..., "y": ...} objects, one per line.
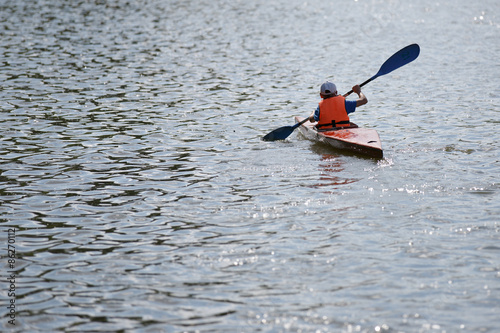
[
  {"x": 300, "y": 123},
  {"x": 362, "y": 84}
]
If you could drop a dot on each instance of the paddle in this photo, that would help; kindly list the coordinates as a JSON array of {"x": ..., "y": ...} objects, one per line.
[
  {"x": 398, "y": 59},
  {"x": 283, "y": 132}
]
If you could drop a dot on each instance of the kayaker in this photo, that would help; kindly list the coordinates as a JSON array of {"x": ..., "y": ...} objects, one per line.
[{"x": 333, "y": 110}]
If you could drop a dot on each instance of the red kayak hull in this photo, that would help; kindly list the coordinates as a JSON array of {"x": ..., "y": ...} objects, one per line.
[{"x": 358, "y": 140}]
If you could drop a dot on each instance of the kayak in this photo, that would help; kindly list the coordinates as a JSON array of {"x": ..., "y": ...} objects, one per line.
[{"x": 363, "y": 141}]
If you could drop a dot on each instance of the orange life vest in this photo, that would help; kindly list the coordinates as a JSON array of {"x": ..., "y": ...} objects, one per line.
[{"x": 332, "y": 112}]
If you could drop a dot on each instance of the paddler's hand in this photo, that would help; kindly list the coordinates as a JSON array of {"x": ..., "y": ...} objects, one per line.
[
  {"x": 356, "y": 89},
  {"x": 362, "y": 100},
  {"x": 311, "y": 118}
]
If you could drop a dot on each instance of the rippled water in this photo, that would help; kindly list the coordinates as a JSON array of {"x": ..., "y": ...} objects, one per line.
[{"x": 143, "y": 199}]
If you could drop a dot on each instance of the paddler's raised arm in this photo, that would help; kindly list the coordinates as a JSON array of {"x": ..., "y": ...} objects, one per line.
[{"x": 362, "y": 100}]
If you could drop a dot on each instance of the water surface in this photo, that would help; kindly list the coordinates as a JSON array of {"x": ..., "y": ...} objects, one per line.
[{"x": 144, "y": 200}]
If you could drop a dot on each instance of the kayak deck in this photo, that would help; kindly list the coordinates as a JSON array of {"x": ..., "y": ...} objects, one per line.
[{"x": 359, "y": 140}]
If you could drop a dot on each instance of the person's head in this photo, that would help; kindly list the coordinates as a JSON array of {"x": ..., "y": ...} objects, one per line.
[{"x": 328, "y": 89}]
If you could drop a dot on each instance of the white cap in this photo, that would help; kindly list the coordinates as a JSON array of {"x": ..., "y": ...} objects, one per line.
[{"x": 328, "y": 88}]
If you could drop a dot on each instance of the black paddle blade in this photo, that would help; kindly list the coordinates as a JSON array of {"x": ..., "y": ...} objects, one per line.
[{"x": 279, "y": 134}]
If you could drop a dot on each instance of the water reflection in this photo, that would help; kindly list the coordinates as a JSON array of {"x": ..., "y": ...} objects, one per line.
[{"x": 331, "y": 168}]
